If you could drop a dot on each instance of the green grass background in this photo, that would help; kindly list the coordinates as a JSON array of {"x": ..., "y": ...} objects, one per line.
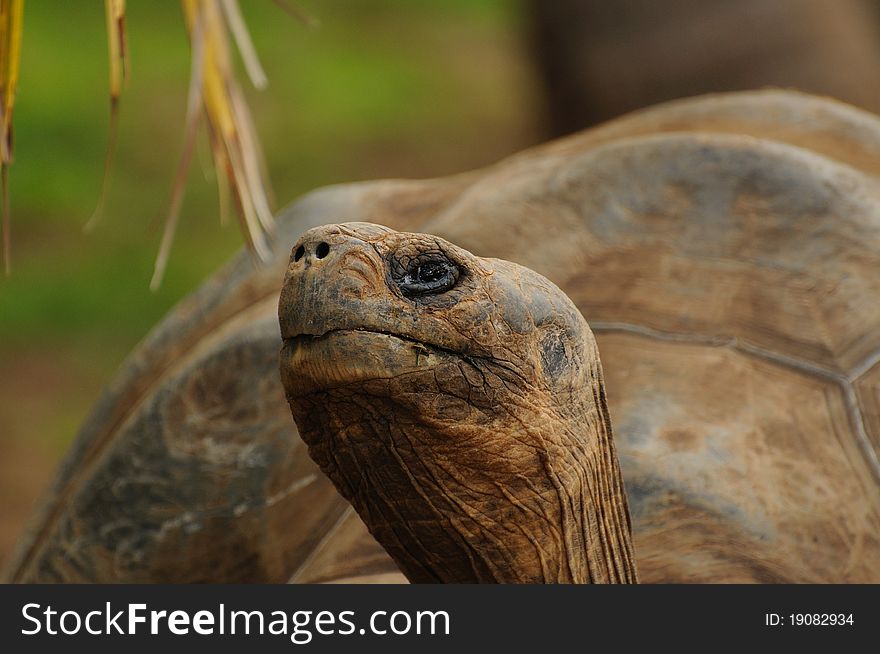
[{"x": 385, "y": 88}]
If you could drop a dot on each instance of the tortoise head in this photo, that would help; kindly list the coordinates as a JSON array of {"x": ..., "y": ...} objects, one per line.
[{"x": 457, "y": 402}]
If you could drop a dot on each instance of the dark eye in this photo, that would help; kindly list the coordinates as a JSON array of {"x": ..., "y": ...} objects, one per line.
[{"x": 428, "y": 277}]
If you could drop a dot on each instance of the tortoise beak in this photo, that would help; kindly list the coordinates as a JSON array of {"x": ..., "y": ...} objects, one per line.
[{"x": 333, "y": 270}]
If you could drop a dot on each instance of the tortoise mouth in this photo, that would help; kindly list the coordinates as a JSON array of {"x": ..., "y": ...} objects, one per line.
[
  {"x": 340, "y": 357},
  {"x": 306, "y": 339}
]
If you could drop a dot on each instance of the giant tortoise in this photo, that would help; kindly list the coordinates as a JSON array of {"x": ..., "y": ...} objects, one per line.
[{"x": 725, "y": 251}]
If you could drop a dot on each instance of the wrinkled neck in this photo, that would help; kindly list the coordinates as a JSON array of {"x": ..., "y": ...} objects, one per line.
[{"x": 461, "y": 492}]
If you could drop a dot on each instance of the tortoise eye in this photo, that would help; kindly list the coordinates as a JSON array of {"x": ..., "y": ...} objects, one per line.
[{"x": 427, "y": 277}]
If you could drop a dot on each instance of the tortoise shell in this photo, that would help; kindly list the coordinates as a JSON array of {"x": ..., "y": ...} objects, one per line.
[{"x": 725, "y": 250}]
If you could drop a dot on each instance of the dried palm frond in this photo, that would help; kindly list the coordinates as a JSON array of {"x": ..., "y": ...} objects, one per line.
[
  {"x": 115, "y": 12},
  {"x": 10, "y": 48},
  {"x": 215, "y": 94}
]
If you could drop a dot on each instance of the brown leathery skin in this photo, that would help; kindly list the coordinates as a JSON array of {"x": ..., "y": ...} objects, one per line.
[
  {"x": 467, "y": 426},
  {"x": 725, "y": 251}
]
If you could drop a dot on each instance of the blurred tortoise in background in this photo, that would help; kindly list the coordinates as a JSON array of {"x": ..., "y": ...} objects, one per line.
[
  {"x": 725, "y": 251},
  {"x": 597, "y": 59}
]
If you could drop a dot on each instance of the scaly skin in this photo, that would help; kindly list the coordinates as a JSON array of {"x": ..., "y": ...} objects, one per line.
[{"x": 458, "y": 404}]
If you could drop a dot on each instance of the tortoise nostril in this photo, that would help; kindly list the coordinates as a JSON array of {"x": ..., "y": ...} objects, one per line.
[
  {"x": 322, "y": 250},
  {"x": 300, "y": 251}
]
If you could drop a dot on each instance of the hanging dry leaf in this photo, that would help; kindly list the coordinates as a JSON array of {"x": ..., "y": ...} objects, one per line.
[
  {"x": 10, "y": 48},
  {"x": 118, "y": 54},
  {"x": 214, "y": 92}
]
